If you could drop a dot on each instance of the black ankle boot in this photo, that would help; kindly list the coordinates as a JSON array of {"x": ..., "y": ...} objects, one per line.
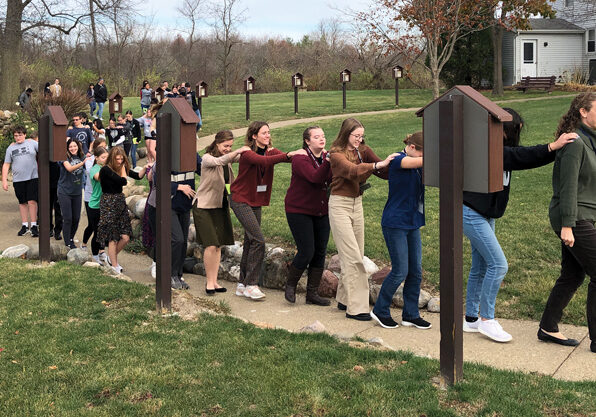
[
  {"x": 312, "y": 288},
  {"x": 294, "y": 275}
]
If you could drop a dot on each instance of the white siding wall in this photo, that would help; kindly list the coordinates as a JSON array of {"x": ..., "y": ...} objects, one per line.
[
  {"x": 509, "y": 58},
  {"x": 563, "y": 53}
]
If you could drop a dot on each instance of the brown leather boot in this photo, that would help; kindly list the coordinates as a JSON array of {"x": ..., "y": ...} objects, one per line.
[
  {"x": 294, "y": 275},
  {"x": 312, "y": 287}
]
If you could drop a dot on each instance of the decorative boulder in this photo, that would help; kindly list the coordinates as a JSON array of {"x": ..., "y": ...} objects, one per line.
[
  {"x": 58, "y": 251},
  {"x": 131, "y": 202},
  {"x": 18, "y": 251},
  {"x": 189, "y": 264},
  {"x": 142, "y": 152},
  {"x": 137, "y": 228},
  {"x": 77, "y": 256},
  {"x": 192, "y": 233},
  {"x": 139, "y": 208},
  {"x": 328, "y": 285},
  {"x": 276, "y": 270},
  {"x": 334, "y": 264},
  {"x": 379, "y": 276},
  {"x": 232, "y": 251},
  {"x": 434, "y": 305}
]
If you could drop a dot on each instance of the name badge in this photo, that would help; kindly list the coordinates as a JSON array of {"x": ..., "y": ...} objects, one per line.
[
  {"x": 261, "y": 188},
  {"x": 228, "y": 188}
]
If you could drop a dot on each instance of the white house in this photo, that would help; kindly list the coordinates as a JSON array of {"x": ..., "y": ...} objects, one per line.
[{"x": 557, "y": 46}]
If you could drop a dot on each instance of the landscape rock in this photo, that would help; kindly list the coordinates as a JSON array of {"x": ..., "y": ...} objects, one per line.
[
  {"x": 194, "y": 249},
  {"x": 131, "y": 201},
  {"x": 142, "y": 152},
  {"x": 199, "y": 269},
  {"x": 369, "y": 266},
  {"x": 275, "y": 252},
  {"x": 379, "y": 276},
  {"x": 328, "y": 285},
  {"x": 189, "y": 264},
  {"x": 316, "y": 327},
  {"x": 18, "y": 251},
  {"x": 434, "y": 305},
  {"x": 232, "y": 251},
  {"x": 137, "y": 228},
  {"x": 334, "y": 265},
  {"x": 374, "y": 290},
  {"x": 276, "y": 271},
  {"x": 78, "y": 256},
  {"x": 398, "y": 298},
  {"x": 192, "y": 233},
  {"x": 92, "y": 265},
  {"x": 139, "y": 208}
]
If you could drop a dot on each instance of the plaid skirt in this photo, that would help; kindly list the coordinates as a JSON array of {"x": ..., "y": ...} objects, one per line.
[{"x": 113, "y": 219}]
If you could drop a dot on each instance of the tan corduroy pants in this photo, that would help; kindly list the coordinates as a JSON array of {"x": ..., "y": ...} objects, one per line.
[{"x": 346, "y": 219}]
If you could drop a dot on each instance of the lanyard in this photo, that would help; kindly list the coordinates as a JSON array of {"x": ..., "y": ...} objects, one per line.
[
  {"x": 359, "y": 157},
  {"x": 312, "y": 156}
]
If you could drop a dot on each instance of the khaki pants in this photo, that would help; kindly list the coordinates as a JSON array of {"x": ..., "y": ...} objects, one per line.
[{"x": 346, "y": 219}]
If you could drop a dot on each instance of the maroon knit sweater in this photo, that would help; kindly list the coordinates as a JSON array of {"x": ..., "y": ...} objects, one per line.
[{"x": 307, "y": 193}]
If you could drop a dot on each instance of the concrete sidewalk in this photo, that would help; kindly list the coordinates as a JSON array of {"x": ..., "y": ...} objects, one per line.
[{"x": 525, "y": 353}]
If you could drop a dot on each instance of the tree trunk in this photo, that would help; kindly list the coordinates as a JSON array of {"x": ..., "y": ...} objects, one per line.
[
  {"x": 497, "y": 35},
  {"x": 94, "y": 36},
  {"x": 9, "y": 67},
  {"x": 436, "y": 82}
]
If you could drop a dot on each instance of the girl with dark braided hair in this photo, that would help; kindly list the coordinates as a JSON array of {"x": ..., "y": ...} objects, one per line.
[{"x": 572, "y": 215}]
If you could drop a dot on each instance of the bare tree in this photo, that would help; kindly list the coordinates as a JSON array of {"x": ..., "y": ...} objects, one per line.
[
  {"x": 192, "y": 11},
  {"x": 225, "y": 21}
]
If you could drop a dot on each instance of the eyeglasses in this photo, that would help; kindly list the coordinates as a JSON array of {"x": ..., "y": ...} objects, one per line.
[{"x": 359, "y": 137}]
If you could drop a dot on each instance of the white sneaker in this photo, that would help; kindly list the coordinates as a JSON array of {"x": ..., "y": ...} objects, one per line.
[
  {"x": 493, "y": 330},
  {"x": 103, "y": 256},
  {"x": 108, "y": 260},
  {"x": 96, "y": 259},
  {"x": 240, "y": 290},
  {"x": 253, "y": 291},
  {"x": 153, "y": 270},
  {"x": 116, "y": 269},
  {"x": 471, "y": 326}
]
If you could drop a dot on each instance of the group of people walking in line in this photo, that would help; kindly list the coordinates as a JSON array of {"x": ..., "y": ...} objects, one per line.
[{"x": 325, "y": 196}]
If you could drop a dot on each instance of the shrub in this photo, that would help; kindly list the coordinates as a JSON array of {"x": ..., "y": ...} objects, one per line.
[{"x": 72, "y": 101}]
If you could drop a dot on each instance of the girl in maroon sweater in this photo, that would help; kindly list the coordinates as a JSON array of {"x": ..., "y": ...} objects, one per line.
[
  {"x": 306, "y": 211},
  {"x": 250, "y": 191}
]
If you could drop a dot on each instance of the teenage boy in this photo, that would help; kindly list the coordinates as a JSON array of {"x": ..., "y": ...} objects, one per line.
[
  {"x": 80, "y": 132},
  {"x": 22, "y": 156}
]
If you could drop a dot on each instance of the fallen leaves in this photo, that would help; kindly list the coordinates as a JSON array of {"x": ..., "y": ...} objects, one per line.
[{"x": 52, "y": 367}]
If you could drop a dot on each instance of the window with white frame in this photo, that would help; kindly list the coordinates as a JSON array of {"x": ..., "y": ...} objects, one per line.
[{"x": 591, "y": 40}]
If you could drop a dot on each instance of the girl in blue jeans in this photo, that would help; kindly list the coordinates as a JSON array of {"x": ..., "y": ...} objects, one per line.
[
  {"x": 480, "y": 211},
  {"x": 402, "y": 219}
]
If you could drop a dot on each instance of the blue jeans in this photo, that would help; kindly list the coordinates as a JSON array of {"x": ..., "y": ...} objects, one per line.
[
  {"x": 92, "y": 106},
  {"x": 100, "y": 110},
  {"x": 133, "y": 154},
  {"x": 489, "y": 265},
  {"x": 198, "y": 113},
  {"x": 405, "y": 251}
]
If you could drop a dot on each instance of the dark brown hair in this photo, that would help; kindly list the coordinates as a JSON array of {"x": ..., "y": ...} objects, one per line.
[
  {"x": 571, "y": 120},
  {"x": 253, "y": 129},
  {"x": 99, "y": 151},
  {"x": 111, "y": 161},
  {"x": 80, "y": 153},
  {"x": 220, "y": 137},
  {"x": 306, "y": 135},
  {"x": 340, "y": 144}
]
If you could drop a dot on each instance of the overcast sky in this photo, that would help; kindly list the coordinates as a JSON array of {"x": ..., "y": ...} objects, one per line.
[{"x": 283, "y": 18}]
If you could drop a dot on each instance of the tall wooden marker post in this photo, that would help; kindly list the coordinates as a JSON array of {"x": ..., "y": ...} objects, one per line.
[
  {"x": 176, "y": 151},
  {"x": 463, "y": 151},
  {"x": 52, "y": 147}
]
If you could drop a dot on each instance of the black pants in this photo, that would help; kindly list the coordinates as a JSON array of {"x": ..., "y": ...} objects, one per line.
[
  {"x": 152, "y": 215},
  {"x": 576, "y": 262},
  {"x": 311, "y": 234},
  {"x": 93, "y": 218},
  {"x": 55, "y": 207},
  {"x": 71, "y": 212},
  {"x": 180, "y": 224},
  {"x": 89, "y": 229}
]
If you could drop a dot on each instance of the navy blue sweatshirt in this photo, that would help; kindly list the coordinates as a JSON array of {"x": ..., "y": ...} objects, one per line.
[
  {"x": 180, "y": 201},
  {"x": 493, "y": 205}
]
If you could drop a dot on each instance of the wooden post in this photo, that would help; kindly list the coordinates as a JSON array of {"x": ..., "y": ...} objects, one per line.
[
  {"x": 247, "y": 105},
  {"x": 343, "y": 85},
  {"x": 163, "y": 289},
  {"x": 45, "y": 217},
  {"x": 296, "y": 100},
  {"x": 450, "y": 232},
  {"x": 397, "y": 92}
]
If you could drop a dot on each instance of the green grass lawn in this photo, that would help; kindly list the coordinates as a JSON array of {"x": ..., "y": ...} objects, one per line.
[
  {"x": 74, "y": 342},
  {"x": 228, "y": 112}
]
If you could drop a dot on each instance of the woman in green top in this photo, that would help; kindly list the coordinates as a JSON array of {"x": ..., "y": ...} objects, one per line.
[
  {"x": 101, "y": 154},
  {"x": 572, "y": 215}
]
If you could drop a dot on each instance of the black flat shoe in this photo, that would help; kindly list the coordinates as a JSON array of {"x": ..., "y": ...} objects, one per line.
[
  {"x": 210, "y": 292},
  {"x": 545, "y": 337},
  {"x": 221, "y": 289},
  {"x": 360, "y": 317},
  {"x": 342, "y": 307},
  {"x": 593, "y": 347}
]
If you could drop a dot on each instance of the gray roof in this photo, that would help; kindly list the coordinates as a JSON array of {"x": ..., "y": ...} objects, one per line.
[{"x": 553, "y": 24}]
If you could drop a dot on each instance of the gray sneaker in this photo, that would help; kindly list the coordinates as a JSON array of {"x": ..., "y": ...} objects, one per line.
[
  {"x": 185, "y": 286},
  {"x": 176, "y": 284}
]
